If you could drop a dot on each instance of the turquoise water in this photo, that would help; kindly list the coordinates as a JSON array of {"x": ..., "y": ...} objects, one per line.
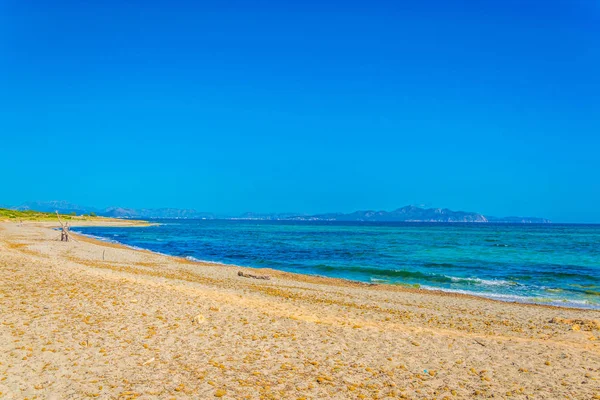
[{"x": 551, "y": 264}]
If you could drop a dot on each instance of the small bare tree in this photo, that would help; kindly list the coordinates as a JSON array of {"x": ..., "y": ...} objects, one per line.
[{"x": 64, "y": 229}]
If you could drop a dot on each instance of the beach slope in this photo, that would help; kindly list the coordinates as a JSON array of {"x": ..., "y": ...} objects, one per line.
[{"x": 89, "y": 319}]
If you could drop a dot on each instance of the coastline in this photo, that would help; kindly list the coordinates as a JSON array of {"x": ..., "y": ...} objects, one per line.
[
  {"x": 292, "y": 336},
  {"x": 421, "y": 288}
]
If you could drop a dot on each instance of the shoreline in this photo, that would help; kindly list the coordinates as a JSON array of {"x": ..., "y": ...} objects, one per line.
[
  {"x": 387, "y": 285},
  {"x": 90, "y": 318}
]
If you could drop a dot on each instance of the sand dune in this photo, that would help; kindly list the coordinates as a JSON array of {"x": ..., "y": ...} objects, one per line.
[{"x": 90, "y": 319}]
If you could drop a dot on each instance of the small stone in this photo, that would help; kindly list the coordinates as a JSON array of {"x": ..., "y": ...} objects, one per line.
[{"x": 199, "y": 319}]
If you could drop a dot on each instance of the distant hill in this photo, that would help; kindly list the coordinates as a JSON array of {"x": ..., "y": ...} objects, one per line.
[
  {"x": 408, "y": 214},
  {"x": 270, "y": 216},
  {"x": 63, "y": 207},
  {"x": 118, "y": 212},
  {"x": 404, "y": 214}
]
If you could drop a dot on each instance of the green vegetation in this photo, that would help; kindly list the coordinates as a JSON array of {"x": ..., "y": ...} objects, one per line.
[{"x": 28, "y": 215}]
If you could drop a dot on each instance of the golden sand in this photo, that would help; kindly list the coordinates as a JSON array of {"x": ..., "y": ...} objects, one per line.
[{"x": 87, "y": 319}]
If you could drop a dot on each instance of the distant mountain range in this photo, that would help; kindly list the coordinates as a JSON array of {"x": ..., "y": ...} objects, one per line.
[
  {"x": 404, "y": 214},
  {"x": 147, "y": 213},
  {"x": 418, "y": 214}
]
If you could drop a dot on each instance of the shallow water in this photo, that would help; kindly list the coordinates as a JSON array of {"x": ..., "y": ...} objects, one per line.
[{"x": 551, "y": 264}]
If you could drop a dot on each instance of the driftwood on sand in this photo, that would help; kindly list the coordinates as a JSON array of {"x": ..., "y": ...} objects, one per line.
[
  {"x": 64, "y": 229},
  {"x": 247, "y": 275}
]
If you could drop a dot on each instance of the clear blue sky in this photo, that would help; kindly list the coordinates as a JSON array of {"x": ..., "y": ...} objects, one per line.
[{"x": 489, "y": 106}]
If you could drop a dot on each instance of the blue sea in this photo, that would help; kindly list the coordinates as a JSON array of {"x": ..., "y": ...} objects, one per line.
[{"x": 550, "y": 264}]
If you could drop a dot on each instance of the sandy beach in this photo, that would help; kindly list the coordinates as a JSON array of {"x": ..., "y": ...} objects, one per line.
[{"x": 89, "y": 319}]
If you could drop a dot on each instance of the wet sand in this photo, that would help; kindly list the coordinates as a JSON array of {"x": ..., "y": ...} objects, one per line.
[{"x": 89, "y": 319}]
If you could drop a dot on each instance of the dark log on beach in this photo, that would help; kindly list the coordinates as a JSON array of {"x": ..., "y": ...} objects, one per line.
[{"x": 245, "y": 275}]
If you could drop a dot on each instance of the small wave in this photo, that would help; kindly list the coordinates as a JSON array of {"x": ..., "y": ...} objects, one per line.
[
  {"x": 486, "y": 282},
  {"x": 442, "y": 265},
  {"x": 198, "y": 260},
  {"x": 376, "y": 273},
  {"x": 587, "y": 292},
  {"x": 522, "y": 299},
  {"x": 554, "y": 290},
  {"x": 557, "y": 275},
  {"x": 100, "y": 238}
]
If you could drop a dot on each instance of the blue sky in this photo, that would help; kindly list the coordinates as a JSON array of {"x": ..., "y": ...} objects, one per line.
[{"x": 308, "y": 107}]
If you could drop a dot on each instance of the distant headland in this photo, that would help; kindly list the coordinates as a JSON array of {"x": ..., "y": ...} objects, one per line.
[{"x": 405, "y": 214}]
